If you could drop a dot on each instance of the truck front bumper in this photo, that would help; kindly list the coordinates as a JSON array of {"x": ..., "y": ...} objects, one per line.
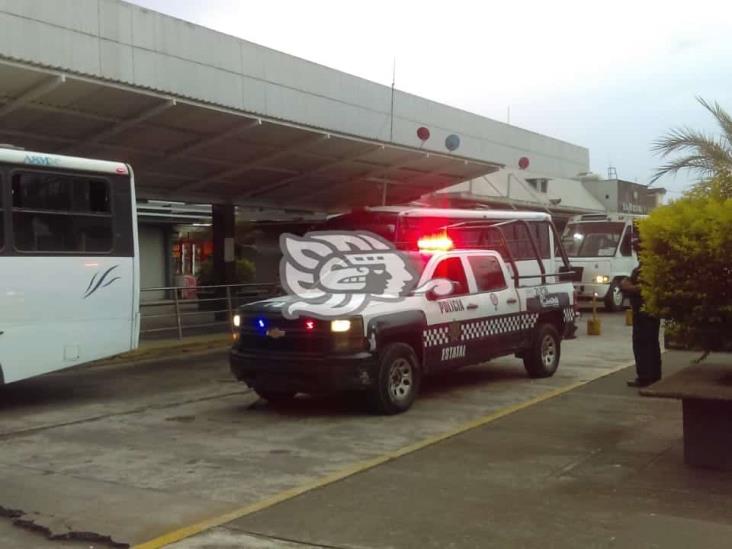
[{"x": 304, "y": 373}]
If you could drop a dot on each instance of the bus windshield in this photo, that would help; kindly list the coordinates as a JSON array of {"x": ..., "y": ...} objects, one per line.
[{"x": 592, "y": 239}]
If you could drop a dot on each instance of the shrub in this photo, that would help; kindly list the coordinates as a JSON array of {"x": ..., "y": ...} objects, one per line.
[{"x": 686, "y": 253}]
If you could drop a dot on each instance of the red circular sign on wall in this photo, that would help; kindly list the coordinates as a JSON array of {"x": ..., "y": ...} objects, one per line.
[
  {"x": 423, "y": 133},
  {"x": 523, "y": 162}
]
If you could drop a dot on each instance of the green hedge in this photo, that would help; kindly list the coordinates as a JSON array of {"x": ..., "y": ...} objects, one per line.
[{"x": 686, "y": 254}]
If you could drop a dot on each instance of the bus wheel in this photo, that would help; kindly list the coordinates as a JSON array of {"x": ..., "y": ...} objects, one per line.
[{"x": 614, "y": 298}]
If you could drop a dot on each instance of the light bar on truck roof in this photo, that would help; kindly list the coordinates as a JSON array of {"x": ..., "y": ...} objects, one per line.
[{"x": 435, "y": 243}]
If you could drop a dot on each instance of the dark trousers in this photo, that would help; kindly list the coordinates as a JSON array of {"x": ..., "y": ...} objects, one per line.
[{"x": 646, "y": 348}]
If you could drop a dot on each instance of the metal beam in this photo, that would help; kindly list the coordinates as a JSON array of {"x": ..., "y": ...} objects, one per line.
[
  {"x": 411, "y": 183},
  {"x": 415, "y": 181},
  {"x": 311, "y": 140},
  {"x": 375, "y": 172},
  {"x": 123, "y": 125},
  {"x": 288, "y": 181},
  {"x": 66, "y": 142},
  {"x": 190, "y": 147},
  {"x": 32, "y": 94}
]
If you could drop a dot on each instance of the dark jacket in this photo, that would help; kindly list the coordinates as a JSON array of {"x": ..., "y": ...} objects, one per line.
[{"x": 635, "y": 298}]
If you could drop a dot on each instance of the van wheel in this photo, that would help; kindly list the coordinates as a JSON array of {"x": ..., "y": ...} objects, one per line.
[
  {"x": 397, "y": 382},
  {"x": 275, "y": 397},
  {"x": 542, "y": 358},
  {"x": 614, "y": 298}
]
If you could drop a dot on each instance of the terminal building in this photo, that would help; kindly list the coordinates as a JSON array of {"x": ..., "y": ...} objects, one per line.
[{"x": 218, "y": 129}]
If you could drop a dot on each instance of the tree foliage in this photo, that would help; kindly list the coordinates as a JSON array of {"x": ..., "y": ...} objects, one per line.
[
  {"x": 708, "y": 155},
  {"x": 719, "y": 187},
  {"x": 687, "y": 264}
]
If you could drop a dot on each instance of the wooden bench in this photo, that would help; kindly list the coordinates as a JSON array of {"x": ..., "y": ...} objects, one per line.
[{"x": 705, "y": 391}]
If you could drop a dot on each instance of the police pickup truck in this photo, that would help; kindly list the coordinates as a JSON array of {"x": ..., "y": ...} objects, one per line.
[{"x": 388, "y": 347}]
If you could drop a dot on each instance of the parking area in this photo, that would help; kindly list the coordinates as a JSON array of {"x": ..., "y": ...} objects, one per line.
[{"x": 123, "y": 454}]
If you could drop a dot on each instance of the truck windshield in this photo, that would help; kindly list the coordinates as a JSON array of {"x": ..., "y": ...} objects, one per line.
[{"x": 592, "y": 239}]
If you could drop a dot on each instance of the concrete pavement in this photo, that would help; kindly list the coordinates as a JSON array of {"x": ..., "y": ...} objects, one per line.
[
  {"x": 599, "y": 466},
  {"x": 131, "y": 452}
]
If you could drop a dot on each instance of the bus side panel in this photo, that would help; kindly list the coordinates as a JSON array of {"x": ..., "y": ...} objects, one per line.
[
  {"x": 135, "y": 304},
  {"x": 57, "y": 312}
]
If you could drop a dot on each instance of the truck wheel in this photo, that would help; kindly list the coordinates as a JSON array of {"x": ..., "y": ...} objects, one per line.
[
  {"x": 614, "y": 298},
  {"x": 542, "y": 358},
  {"x": 398, "y": 380},
  {"x": 275, "y": 397}
]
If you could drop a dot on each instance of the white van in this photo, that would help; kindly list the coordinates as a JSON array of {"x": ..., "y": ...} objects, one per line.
[{"x": 601, "y": 253}]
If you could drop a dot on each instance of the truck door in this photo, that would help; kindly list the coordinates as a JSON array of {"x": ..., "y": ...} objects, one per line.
[
  {"x": 444, "y": 346},
  {"x": 499, "y": 327}
]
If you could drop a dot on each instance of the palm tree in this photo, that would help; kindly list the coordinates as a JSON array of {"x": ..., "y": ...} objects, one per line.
[{"x": 703, "y": 153}]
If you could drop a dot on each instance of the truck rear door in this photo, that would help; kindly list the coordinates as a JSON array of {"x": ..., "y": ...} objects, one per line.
[{"x": 500, "y": 324}]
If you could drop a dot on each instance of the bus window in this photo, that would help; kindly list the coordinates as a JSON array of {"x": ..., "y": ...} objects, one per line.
[
  {"x": 540, "y": 231},
  {"x": 61, "y": 213},
  {"x": 517, "y": 238}
]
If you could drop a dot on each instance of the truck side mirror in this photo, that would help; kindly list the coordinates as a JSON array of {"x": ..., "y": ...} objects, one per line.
[{"x": 455, "y": 288}]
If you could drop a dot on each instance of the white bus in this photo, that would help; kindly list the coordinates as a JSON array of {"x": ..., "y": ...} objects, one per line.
[
  {"x": 69, "y": 268},
  {"x": 600, "y": 250}
]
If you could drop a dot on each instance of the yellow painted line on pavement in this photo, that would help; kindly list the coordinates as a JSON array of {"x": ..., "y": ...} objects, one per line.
[{"x": 360, "y": 467}]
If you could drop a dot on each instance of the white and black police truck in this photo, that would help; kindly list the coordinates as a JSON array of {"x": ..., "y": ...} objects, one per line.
[{"x": 471, "y": 304}]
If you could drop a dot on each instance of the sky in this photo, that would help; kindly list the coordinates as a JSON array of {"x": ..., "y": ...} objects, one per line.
[{"x": 609, "y": 76}]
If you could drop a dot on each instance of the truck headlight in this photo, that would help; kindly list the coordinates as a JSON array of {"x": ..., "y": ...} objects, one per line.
[
  {"x": 602, "y": 279},
  {"x": 237, "y": 321},
  {"x": 347, "y": 335},
  {"x": 340, "y": 325}
]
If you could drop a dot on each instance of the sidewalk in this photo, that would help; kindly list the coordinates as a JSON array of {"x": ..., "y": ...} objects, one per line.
[
  {"x": 157, "y": 349},
  {"x": 599, "y": 466}
]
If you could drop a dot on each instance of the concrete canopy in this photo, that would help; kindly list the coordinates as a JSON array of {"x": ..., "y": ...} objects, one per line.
[
  {"x": 207, "y": 117},
  {"x": 184, "y": 151}
]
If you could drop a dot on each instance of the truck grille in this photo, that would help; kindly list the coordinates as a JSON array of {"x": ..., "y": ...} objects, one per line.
[{"x": 281, "y": 335}]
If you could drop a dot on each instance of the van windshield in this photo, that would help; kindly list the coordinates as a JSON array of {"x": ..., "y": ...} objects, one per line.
[{"x": 592, "y": 239}]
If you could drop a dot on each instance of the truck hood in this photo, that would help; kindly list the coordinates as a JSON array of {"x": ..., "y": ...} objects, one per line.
[{"x": 276, "y": 305}]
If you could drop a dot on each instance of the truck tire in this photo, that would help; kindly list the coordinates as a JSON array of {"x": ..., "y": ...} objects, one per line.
[
  {"x": 398, "y": 379},
  {"x": 542, "y": 358},
  {"x": 614, "y": 297},
  {"x": 275, "y": 397}
]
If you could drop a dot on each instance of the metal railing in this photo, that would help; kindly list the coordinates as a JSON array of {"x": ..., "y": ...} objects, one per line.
[{"x": 195, "y": 310}]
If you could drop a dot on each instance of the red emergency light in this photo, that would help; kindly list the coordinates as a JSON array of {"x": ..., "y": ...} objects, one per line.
[{"x": 435, "y": 243}]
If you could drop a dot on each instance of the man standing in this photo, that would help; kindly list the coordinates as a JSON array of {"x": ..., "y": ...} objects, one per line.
[{"x": 646, "y": 328}]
